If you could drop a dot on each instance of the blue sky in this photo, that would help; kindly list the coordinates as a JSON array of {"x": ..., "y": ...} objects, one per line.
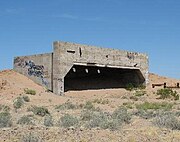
[{"x": 149, "y": 26}]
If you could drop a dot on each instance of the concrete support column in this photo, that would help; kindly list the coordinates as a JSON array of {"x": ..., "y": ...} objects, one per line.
[{"x": 58, "y": 85}]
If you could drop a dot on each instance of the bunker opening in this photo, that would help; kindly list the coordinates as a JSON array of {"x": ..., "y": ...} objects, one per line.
[{"x": 91, "y": 77}]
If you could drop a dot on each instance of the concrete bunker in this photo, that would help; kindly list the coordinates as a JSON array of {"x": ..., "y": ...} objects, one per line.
[
  {"x": 84, "y": 77},
  {"x": 79, "y": 67}
]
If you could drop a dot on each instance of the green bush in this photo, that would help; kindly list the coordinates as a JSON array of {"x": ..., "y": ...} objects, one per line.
[
  {"x": 68, "y": 121},
  {"x": 139, "y": 93},
  {"x": 86, "y": 115},
  {"x": 128, "y": 105},
  {"x": 177, "y": 113},
  {"x": 30, "y": 92},
  {"x": 25, "y": 120},
  {"x": 141, "y": 87},
  {"x": 146, "y": 114},
  {"x": 101, "y": 101},
  {"x": 155, "y": 106},
  {"x": 134, "y": 98},
  {"x": 67, "y": 105},
  {"x": 48, "y": 121},
  {"x": 167, "y": 93},
  {"x": 5, "y": 119},
  {"x": 121, "y": 115},
  {"x": 130, "y": 87},
  {"x": 97, "y": 120},
  {"x": 89, "y": 106},
  {"x": 41, "y": 111},
  {"x": 111, "y": 124},
  {"x": 175, "y": 95},
  {"x": 26, "y": 98},
  {"x": 167, "y": 120},
  {"x": 31, "y": 138},
  {"x": 18, "y": 103},
  {"x": 102, "y": 120},
  {"x": 105, "y": 120},
  {"x": 4, "y": 108}
]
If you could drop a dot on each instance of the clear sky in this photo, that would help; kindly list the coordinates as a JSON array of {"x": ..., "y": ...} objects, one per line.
[{"x": 149, "y": 26}]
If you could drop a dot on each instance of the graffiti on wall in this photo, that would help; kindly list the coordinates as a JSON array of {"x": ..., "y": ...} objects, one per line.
[
  {"x": 32, "y": 69},
  {"x": 36, "y": 70},
  {"x": 19, "y": 61}
]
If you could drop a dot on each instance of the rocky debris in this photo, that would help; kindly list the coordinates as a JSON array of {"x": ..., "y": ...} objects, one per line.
[{"x": 4, "y": 84}]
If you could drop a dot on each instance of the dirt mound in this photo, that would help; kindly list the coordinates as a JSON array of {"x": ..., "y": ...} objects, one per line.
[
  {"x": 153, "y": 78},
  {"x": 16, "y": 80},
  {"x": 13, "y": 84}
]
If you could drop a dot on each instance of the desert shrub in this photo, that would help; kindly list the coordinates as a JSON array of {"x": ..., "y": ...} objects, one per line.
[
  {"x": 177, "y": 113},
  {"x": 48, "y": 121},
  {"x": 98, "y": 118},
  {"x": 81, "y": 106},
  {"x": 111, "y": 124},
  {"x": 31, "y": 138},
  {"x": 103, "y": 120},
  {"x": 167, "y": 93},
  {"x": 4, "y": 108},
  {"x": 86, "y": 115},
  {"x": 5, "y": 119},
  {"x": 67, "y": 105},
  {"x": 128, "y": 105},
  {"x": 121, "y": 115},
  {"x": 25, "y": 120},
  {"x": 101, "y": 101},
  {"x": 30, "y": 92},
  {"x": 141, "y": 87},
  {"x": 130, "y": 87},
  {"x": 41, "y": 111},
  {"x": 167, "y": 120},
  {"x": 18, "y": 103},
  {"x": 67, "y": 121},
  {"x": 26, "y": 98},
  {"x": 146, "y": 114},
  {"x": 89, "y": 105},
  {"x": 175, "y": 95},
  {"x": 139, "y": 93},
  {"x": 155, "y": 106},
  {"x": 134, "y": 98}
]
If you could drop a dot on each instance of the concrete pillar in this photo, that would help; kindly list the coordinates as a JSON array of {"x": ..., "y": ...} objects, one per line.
[{"x": 61, "y": 86}]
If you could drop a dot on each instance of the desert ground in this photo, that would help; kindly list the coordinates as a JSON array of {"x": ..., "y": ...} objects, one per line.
[{"x": 30, "y": 113}]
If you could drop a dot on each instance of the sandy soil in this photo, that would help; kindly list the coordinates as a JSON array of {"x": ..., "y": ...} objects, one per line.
[{"x": 13, "y": 84}]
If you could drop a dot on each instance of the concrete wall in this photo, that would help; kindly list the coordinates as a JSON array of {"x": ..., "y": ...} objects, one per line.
[
  {"x": 50, "y": 69},
  {"x": 36, "y": 67},
  {"x": 68, "y": 54}
]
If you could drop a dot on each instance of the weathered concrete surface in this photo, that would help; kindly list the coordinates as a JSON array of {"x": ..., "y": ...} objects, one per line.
[
  {"x": 36, "y": 67},
  {"x": 66, "y": 55}
]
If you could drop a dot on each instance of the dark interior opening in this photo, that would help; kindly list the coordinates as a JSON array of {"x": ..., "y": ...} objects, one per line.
[{"x": 93, "y": 77}]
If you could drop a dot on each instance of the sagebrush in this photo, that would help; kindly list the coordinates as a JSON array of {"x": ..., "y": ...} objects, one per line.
[
  {"x": 5, "y": 119},
  {"x": 41, "y": 111},
  {"x": 68, "y": 121},
  {"x": 30, "y": 91}
]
